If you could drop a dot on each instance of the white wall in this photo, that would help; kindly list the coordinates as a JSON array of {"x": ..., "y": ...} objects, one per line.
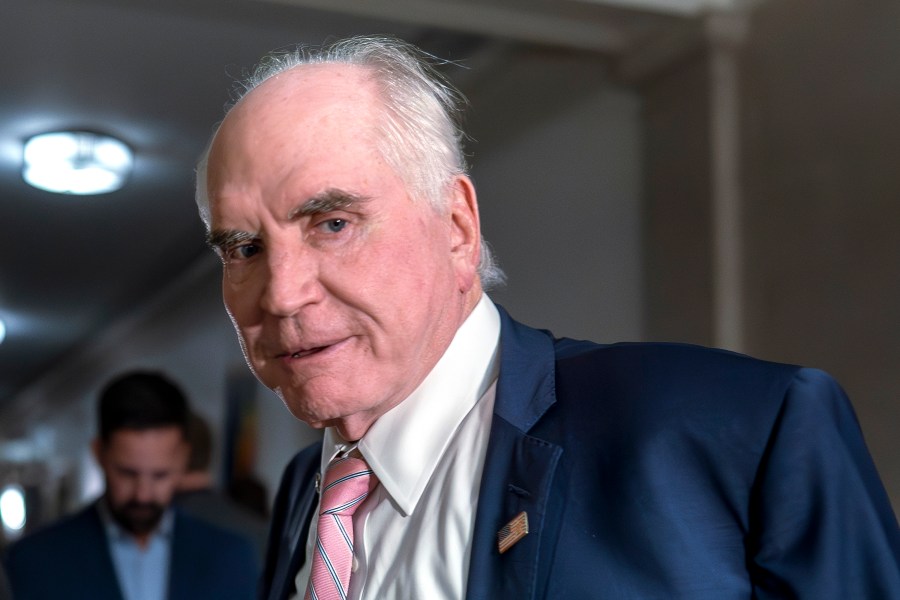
[
  {"x": 558, "y": 166},
  {"x": 561, "y": 206}
]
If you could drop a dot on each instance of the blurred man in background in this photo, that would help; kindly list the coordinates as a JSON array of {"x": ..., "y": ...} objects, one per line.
[{"x": 130, "y": 544}]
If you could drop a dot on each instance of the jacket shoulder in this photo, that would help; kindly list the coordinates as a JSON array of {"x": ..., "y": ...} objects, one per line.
[
  {"x": 666, "y": 395},
  {"x": 649, "y": 367},
  {"x": 62, "y": 556},
  {"x": 51, "y": 540}
]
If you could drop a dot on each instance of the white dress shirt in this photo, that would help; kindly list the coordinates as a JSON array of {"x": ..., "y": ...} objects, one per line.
[{"x": 412, "y": 536}]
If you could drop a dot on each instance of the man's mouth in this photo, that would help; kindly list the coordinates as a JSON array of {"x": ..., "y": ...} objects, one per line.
[
  {"x": 288, "y": 353},
  {"x": 302, "y": 353}
]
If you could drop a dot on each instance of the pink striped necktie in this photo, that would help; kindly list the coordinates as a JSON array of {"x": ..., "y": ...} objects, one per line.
[{"x": 347, "y": 483}]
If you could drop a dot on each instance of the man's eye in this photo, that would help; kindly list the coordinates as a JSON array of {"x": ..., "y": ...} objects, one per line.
[
  {"x": 334, "y": 225},
  {"x": 244, "y": 251}
]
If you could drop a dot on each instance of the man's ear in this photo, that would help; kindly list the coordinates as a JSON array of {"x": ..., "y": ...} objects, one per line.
[{"x": 465, "y": 234}]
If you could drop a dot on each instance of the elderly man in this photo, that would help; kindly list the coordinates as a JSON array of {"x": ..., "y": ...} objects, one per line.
[
  {"x": 130, "y": 545},
  {"x": 466, "y": 455}
]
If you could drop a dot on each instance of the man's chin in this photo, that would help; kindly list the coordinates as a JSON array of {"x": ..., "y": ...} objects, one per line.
[{"x": 139, "y": 521}]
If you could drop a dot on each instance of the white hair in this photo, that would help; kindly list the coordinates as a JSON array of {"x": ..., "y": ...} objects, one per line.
[{"x": 420, "y": 135}]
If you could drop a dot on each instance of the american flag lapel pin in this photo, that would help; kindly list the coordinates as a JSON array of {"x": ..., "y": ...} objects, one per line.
[
  {"x": 512, "y": 532},
  {"x": 318, "y": 483}
]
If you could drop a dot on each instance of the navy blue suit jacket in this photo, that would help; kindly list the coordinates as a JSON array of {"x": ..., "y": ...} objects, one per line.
[
  {"x": 657, "y": 471},
  {"x": 71, "y": 559}
]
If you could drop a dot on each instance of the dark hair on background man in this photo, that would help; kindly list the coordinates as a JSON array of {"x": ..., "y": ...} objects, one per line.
[{"x": 141, "y": 400}]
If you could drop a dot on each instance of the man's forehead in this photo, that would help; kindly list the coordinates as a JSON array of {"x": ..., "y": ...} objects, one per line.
[
  {"x": 149, "y": 436},
  {"x": 289, "y": 122},
  {"x": 305, "y": 85},
  {"x": 296, "y": 100}
]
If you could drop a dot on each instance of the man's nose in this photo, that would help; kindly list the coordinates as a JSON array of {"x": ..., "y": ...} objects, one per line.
[
  {"x": 143, "y": 491},
  {"x": 292, "y": 281}
]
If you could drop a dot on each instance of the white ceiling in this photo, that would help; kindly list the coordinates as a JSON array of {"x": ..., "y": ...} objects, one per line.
[{"x": 679, "y": 7}]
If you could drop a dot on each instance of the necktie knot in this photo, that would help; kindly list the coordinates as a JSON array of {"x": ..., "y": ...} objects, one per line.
[{"x": 348, "y": 481}]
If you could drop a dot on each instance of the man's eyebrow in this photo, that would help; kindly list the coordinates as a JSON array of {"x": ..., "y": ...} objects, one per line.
[
  {"x": 325, "y": 202},
  {"x": 225, "y": 238}
]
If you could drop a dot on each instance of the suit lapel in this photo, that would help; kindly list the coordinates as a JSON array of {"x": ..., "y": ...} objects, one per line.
[
  {"x": 518, "y": 472},
  {"x": 97, "y": 560},
  {"x": 292, "y": 552},
  {"x": 180, "y": 561}
]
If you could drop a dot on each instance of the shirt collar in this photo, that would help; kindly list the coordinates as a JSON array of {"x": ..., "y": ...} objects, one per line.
[{"x": 404, "y": 446}]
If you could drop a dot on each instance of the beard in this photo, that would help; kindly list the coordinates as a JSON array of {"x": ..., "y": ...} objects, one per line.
[{"x": 138, "y": 518}]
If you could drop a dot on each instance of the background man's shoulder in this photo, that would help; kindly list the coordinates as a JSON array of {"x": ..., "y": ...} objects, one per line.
[
  {"x": 58, "y": 537},
  {"x": 58, "y": 556}
]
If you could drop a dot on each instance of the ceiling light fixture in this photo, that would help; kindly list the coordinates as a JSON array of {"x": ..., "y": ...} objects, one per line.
[
  {"x": 12, "y": 508},
  {"x": 76, "y": 162}
]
